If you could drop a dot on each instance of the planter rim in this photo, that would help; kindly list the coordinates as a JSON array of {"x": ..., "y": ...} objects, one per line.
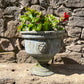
[{"x": 41, "y": 32}]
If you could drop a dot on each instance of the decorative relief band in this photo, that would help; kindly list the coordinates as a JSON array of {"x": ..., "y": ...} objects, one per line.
[{"x": 42, "y": 47}]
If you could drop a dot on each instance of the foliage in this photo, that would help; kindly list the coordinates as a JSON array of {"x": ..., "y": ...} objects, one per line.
[{"x": 33, "y": 20}]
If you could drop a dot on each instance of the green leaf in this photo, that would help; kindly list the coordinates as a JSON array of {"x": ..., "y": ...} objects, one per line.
[
  {"x": 32, "y": 11},
  {"x": 33, "y": 20},
  {"x": 40, "y": 13},
  {"x": 30, "y": 25},
  {"x": 39, "y": 27},
  {"x": 19, "y": 28},
  {"x": 30, "y": 16},
  {"x": 37, "y": 19},
  {"x": 59, "y": 28},
  {"x": 45, "y": 26},
  {"x": 34, "y": 28}
]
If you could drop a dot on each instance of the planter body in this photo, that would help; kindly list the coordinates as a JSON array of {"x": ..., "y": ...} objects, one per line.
[{"x": 42, "y": 46}]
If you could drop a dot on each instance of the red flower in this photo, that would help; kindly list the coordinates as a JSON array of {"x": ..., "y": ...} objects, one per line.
[{"x": 66, "y": 16}]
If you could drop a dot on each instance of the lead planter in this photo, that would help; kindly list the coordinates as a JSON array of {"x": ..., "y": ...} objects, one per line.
[{"x": 43, "y": 46}]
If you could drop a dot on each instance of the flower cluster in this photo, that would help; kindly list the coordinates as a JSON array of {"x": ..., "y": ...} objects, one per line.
[{"x": 33, "y": 20}]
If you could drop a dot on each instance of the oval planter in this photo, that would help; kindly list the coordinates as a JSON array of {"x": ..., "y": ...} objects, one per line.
[{"x": 43, "y": 46}]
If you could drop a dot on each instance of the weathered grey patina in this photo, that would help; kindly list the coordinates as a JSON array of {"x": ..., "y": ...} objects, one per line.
[{"x": 43, "y": 46}]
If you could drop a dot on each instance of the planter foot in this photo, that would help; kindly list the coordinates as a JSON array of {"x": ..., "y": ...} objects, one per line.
[{"x": 41, "y": 70}]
